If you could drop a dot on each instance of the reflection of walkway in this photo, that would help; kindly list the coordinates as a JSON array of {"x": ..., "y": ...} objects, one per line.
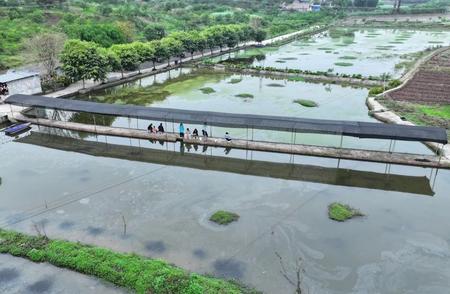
[
  {"x": 309, "y": 173},
  {"x": 18, "y": 275}
]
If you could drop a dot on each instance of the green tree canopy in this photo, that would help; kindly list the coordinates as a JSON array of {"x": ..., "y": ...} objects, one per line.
[
  {"x": 83, "y": 60},
  {"x": 154, "y": 32}
]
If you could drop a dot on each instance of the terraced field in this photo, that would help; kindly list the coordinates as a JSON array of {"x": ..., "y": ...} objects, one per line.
[{"x": 430, "y": 85}]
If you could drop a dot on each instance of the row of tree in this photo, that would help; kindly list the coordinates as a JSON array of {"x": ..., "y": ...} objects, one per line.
[{"x": 83, "y": 60}]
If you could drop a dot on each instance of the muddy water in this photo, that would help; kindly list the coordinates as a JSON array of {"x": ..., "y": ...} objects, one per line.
[
  {"x": 400, "y": 246},
  {"x": 369, "y": 52}
]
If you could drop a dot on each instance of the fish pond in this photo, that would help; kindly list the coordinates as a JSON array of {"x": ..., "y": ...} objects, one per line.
[
  {"x": 88, "y": 188},
  {"x": 366, "y": 52}
]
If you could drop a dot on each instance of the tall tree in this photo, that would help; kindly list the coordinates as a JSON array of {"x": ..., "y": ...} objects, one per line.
[
  {"x": 128, "y": 56},
  {"x": 45, "y": 49},
  {"x": 83, "y": 60}
]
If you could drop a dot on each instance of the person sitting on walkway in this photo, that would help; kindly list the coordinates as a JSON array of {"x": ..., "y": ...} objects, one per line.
[
  {"x": 154, "y": 130},
  {"x": 181, "y": 128},
  {"x": 227, "y": 137},
  {"x": 150, "y": 128},
  {"x": 204, "y": 131},
  {"x": 187, "y": 134},
  {"x": 160, "y": 128},
  {"x": 195, "y": 133}
]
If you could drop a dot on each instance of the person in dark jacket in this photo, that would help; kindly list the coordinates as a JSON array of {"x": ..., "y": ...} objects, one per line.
[{"x": 160, "y": 128}]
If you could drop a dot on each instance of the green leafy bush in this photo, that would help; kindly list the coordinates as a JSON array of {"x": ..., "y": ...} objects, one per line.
[
  {"x": 306, "y": 103},
  {"x": 375, "y": 91}
]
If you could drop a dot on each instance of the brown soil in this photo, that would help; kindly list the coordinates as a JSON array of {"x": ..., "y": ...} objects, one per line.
[{"x": 430, "y": 84}]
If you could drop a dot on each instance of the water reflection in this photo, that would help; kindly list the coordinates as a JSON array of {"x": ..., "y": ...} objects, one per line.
[{"x": 309, "y": 173}]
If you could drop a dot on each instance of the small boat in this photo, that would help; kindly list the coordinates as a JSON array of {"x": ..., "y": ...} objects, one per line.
[{"x": 17, "y": 129}]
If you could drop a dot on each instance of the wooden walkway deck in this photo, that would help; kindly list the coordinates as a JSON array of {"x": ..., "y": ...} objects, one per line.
[{"x": 297, "y": 149}]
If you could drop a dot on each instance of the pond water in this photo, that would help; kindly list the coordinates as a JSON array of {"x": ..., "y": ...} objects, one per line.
[
  {"x": 182, "y": 89},
  {"x": 369, "y": 52},
  {"x": 401, "y": 245},
  {"x": 79, "y": 186}
]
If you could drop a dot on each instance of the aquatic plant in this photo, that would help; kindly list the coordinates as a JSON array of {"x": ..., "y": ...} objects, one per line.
[
  {"x": 325, "y": 48},
  {"x": 275, "y": 85},
  {"x": 342, "y": 212},
  {"x": 347, "y": 57},
  {"x": 223, "y": 217},
  {"x": 288, "y": 58},
  {"x": 136, "y": 273},
  {"x": 343, "y": 63},
  {"x": 306, "y": 103},
  {"x": 244, "y": 95},
  {"x": 280, "y": 61},
  {"x": 235, "y": 81},
  {"x": 207, "y": 90}
]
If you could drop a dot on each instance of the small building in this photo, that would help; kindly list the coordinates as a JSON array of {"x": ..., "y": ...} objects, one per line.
[
  {"x": 315, "y": 7},
  {"x": 296, "y": 5},
  {"x": 20, "y": 82}
]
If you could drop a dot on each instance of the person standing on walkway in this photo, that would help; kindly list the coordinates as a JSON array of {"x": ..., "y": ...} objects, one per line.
[
  {"x": 187, "y": 134},
  {"x": 160, "y": 128},
  {"x": 227, "y": 137},
  {"x": 204, "y": 130},
  {"x": 181, "y": 128}
]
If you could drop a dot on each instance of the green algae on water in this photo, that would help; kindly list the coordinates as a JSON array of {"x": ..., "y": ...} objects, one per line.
[
  {"x": 207, "y": 90},
  {"x": 342, "y": 212},
  {"x": 223, "y": 217}
]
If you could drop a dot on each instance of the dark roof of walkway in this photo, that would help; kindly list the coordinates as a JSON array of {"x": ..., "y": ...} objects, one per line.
[{"x": 235, "y": 120}]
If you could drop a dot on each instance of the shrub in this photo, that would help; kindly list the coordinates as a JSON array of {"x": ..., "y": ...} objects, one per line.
[
  {"x": 394, "y": 83},
  {"x": 375, "y": 91}
]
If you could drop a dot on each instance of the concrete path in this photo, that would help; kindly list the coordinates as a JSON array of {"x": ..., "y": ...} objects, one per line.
[{"x": 18, "y": 275}]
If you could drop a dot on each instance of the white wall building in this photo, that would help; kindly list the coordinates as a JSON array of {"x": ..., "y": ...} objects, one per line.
[{"x": 22, "y": 82}]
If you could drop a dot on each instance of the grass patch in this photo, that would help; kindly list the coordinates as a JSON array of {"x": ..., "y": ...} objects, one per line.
[
  {"x": 343, "y": 64},
  {"x": 436, "y": 111},
  {"x": 223, "y": 217},
  {"x": 244, "y": 95},
  {"x": 207, "y": 90},
  {"x": 275, "y": 85},
  {"x": 306, "y": 103},
  {"x": 235, "y": 81},
  {"x": 347, "y": 57},
  {"x": 342, "y": 212},
  {"x": 131, "y": 271}
]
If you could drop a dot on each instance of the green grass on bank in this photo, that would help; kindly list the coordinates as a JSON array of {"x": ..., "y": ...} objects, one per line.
[
  {"x": 342, "y": 212},
  {"x": 436, "y": 111},
  {"x": 131, "y": 271}
]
